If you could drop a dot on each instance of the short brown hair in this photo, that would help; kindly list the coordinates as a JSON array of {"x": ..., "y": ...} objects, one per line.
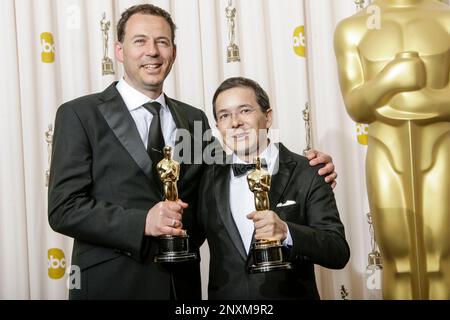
[
  {"x": 144, "y": 9},
  {"x": 240, "y": 82}
]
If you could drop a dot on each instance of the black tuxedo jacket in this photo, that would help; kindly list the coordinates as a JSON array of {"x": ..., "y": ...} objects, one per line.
[
  {"x": 101, "y": 188},
  {"x": 314, "y": 223}
]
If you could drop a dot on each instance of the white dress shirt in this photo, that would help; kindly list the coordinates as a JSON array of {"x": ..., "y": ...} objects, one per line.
[
  {"x": 242, "y": 200},
  {"x": 134, "y": 100}
]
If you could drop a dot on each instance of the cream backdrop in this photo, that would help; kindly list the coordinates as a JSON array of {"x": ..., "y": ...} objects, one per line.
[{"x": 33, "y": 258}]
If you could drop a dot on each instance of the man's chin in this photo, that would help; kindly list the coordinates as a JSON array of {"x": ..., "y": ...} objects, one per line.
[
  {"x": 153, "y": 85},
  {"x": 242, "y": 152},
  {"x": 152, "y": 79}
]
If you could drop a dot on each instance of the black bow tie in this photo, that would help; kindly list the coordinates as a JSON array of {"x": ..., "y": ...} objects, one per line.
[{"x": 239, "y": 169}]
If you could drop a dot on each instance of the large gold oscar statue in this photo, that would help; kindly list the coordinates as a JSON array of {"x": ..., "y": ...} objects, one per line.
[{"x": 395, "y": 77}]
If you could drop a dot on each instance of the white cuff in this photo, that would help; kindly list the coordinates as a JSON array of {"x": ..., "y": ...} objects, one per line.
[{"x": 288, "y": 241}]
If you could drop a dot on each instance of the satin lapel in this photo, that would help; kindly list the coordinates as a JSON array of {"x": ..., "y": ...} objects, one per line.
[
  {"x": 178, "y": 113},
  {"x": 122, "y": 124},
  {"x": 181, "y": 121},
  {"x": 281, "y": 179},
  {"x": 222, "y": 197}
]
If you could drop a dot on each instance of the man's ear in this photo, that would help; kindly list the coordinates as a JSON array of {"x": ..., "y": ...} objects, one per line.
[
  {"x": 269, "y": 118},
  {"x": 174, "y": 52},
  {"x": 118, "y": 51}
]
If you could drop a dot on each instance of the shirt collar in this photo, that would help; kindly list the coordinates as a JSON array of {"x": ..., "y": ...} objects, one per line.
[
  {"x": 270, "y": 154},
  {"x": 133, "y": 98}
]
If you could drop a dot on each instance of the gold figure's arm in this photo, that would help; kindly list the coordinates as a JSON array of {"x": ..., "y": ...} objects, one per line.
[
  {"x": 258, "y": 184},
  {"x": 434, "y": 102},
  {"x": 253, "y": 186},
  {"x": 265, "y": 183},
  {"x": 363, "y": 96},
  {"x": 265, "y": 186},
  {"x": 427, "y": 103},
  {"x": 431, "y": 102},
  {"x": 440, "y": 99},
  {"x": 169, "y": 172}
]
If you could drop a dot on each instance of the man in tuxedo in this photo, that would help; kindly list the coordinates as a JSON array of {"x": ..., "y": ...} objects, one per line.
[
  {"x": 103, "y": 180},
  {"x": 104, "y": 191},
  {"x": 303, "y": 213}
]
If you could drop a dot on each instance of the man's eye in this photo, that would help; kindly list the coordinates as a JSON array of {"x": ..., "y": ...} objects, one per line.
[
  {"x": 163, "y": 42},
  {"x": 224, "y": 116},
  {"x": 139, "y": 41}
]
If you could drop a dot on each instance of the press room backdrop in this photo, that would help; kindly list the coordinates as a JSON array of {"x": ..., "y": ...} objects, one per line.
[{"x": 52, "y": 52}]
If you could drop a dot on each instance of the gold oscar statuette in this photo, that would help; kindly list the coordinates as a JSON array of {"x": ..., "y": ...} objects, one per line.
[
  {"x": 107, "y": 64},
  {"x": 394, "y": 71},
  {"x": 267, "y": 253},
  {"x": 171, "y": 248}
]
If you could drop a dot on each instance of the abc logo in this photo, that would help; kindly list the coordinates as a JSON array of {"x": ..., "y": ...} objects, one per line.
[
  {"x": 299, "y": 39},
  {"x": 56, "y": 263},
  {"x": 362, "y": 131},
  {"x": 48, "y": 47}
]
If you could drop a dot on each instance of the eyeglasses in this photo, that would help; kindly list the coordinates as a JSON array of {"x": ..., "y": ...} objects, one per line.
[{"x": 242, "y": 112}]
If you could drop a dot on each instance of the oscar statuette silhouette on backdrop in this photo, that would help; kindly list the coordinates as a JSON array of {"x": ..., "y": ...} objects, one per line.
[{"x": 395, "y": 77}]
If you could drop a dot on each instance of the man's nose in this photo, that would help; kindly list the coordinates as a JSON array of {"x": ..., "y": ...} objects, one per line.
[
  {"x": 236, "y": 120},
  {"x": 151, "y": 49}
]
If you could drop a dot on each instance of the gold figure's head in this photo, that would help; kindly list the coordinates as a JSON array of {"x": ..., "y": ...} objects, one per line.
[
  {"x": 258, "y": 163},
  {"x": 167, "y": 152}
]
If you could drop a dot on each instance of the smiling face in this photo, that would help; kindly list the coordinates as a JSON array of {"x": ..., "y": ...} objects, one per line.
[
  {"x": 147, "y": 53},
  {"x": 241, "y": 122}
]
